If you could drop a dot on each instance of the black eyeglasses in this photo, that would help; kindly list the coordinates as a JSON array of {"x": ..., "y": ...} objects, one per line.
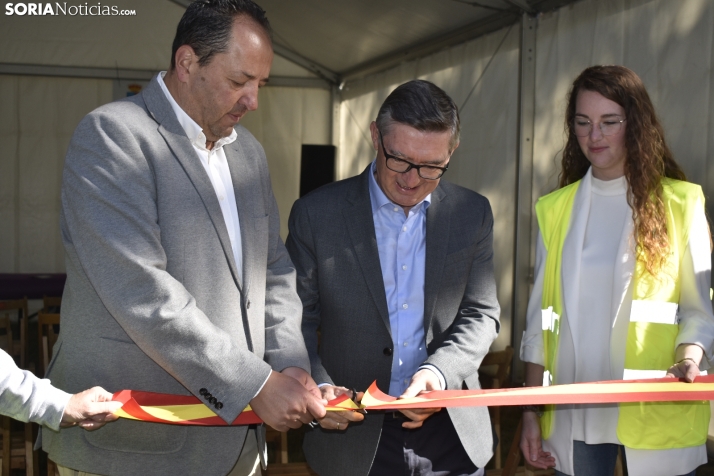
[{"x": 395, "y": 164}]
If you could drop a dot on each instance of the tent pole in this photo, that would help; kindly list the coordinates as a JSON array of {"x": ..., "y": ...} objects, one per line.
[{"x": 525, "y": 229}]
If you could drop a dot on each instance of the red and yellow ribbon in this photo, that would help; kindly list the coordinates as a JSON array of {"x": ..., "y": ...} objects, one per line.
[{"x": 189, "y": 410}]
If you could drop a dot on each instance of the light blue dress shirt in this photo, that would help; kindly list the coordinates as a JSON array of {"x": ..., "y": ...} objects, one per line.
[{"x": 401, "y": 241}]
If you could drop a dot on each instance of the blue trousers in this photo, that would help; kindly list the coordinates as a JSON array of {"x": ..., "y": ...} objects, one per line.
[{"x": 597, "y": 460}]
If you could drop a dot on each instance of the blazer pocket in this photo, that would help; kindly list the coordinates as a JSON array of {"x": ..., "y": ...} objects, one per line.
[
  {"x": 136, "y": 371},
  {"x": 138, "y": 437}
]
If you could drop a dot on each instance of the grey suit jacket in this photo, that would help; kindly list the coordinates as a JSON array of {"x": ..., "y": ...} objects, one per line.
[
  {"x": 333, "y": 245},
  {"x": 153, "y": 301}
]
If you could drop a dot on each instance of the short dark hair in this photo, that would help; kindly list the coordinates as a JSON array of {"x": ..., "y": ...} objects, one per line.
[
  {"x": 206, "y": 26},
  {"x": 422, "y": 105}
]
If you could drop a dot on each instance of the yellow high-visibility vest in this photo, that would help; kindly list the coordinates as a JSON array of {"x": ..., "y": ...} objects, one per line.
[{"x": 653, "y": 324}]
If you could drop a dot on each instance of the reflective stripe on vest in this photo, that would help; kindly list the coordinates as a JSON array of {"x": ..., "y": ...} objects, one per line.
[{"x": 652, "y": 328}]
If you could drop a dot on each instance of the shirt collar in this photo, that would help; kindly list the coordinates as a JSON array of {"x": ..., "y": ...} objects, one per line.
[
  {"x": 194, "y": 132},
  {"x": 379, "y": 199}
]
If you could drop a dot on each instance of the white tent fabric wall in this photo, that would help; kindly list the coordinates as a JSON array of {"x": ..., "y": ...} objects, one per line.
[
  {"x": 37, "y": 118},
  {"x": 141, "y": 41},
  {"x": 287, "y": 118},
  {"x": 486, "y": 158},
  {"x": 670, "y": 45}
]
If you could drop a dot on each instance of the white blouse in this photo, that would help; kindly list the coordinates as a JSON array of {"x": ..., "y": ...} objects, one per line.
[{"x": 601, "y": 337}]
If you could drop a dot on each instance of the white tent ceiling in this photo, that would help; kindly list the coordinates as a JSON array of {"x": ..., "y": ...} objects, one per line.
[{"x": 318, "y": 42}]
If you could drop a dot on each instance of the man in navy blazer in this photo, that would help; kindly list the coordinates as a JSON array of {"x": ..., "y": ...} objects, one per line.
[{"x": 395, "y": 270}]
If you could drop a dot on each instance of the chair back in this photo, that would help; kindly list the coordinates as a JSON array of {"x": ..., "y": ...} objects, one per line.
[
  {"x": 47, "y": 333},
  {"x": 51, "y": 304},
  {"x": 5, "y": 334},
  {"x": 17, "y": 348},
  {"x": 502, "y": 361}
]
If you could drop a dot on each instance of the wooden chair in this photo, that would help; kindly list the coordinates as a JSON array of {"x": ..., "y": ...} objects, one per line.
[
  {"x": 280, "y": 439},
  {"x": 51, "y": 305},
  {"x": 513, "y": 460},
  {"x": 284, "y": 467},
  {"x": 17, "y": 446},
  {"x": 493, "y": 373},
  {"x": 289, "y": 469},
  {"x": 47, "y": 337},
  {"x": 7, "y": 309},
  {"x": 47, "y": 332},
  {"x": 6, "y": 342}
]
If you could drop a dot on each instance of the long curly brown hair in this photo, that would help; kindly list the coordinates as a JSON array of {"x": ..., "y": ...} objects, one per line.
[{"x": 648, "y": 157}]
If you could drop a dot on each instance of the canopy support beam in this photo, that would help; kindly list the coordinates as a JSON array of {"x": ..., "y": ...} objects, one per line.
[
  {"x": 525, "y": 220},
  {"x": 292, "y": 56},
  {"x": 134, "y": 74}
]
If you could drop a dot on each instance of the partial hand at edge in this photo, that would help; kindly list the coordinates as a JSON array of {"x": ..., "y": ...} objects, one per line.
[
  {"x": 91, "y": 409},
  {"x": 685, "y": 369},
  {"x": 285, "y": 402},
  {"x": 423, "y": 381},
  {"x": 339, "y": 420},
  {"x": 531, "y": 443},
  {"x": 688, "y": 357}
]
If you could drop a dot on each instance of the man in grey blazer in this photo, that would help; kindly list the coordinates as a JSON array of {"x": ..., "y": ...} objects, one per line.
[
  {"x": 395, "y": 270},
  {"x": 177, "y": 279}
]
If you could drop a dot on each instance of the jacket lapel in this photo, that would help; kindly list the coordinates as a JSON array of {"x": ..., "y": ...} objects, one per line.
[
  {"x": 572, "y": 254},
  {"x": 245, "y": 188},
  {"x": 178, "y": 142},
  {"x": 624, "y": 267},
  {"x": 360, "y": 226},
  {"x": 624, "y": 270},
  {"x": 437, "y": 240}
]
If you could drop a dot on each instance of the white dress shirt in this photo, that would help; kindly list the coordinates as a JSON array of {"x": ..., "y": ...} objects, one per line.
[
  {"x": 216, "y": 166},
  {"x": 596, "y": 424}
]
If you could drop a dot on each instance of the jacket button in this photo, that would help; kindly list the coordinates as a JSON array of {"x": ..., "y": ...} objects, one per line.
[
  {"x": 387, "y": 351},
  {"x": 247, "y": 304},
  {"x": 203, "y": 391},
  {"x": 212, "y": 400},
  {"x": 218, "y": 405}
]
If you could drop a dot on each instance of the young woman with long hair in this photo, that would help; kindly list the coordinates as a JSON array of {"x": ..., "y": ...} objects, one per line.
[{"x": 622, "y": 289}]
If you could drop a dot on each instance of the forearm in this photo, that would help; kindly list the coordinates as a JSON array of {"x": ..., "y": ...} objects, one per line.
[
  {"x": 534, "y": 375},
  {"x": 25, "y": 397},
  {"x": 476, "y": 323},
  {"x": 461, "y": 353},
  {"x": 689, "y": 352},
  {"x": 283, "y": 308},
  {"x": 301, "y": 248},
  {"x": 696, "y": 321}
]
